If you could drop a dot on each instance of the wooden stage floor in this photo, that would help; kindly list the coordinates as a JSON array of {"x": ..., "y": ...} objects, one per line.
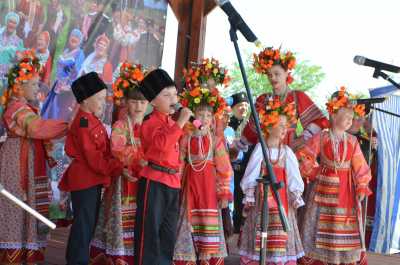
[{"x": 56, "y": 251}]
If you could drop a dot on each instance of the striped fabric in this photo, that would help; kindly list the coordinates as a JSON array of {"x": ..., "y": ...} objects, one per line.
[
  {"x": 206, "y": 230},
  {"x": 337, "y": 231},
  {"x": 128, "y": 211},
  {"x": 386, "y": 228},
  {"x": 276, "y": 238},
  {"x": 327, "y": 190},
  {"x": 42, "y": 194}
]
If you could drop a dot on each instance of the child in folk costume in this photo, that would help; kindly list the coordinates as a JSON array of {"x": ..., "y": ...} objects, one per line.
[
  {"x": 23, "y": 165},
  {"x": 159, "y": 183},
  {"x": 207, "y": 170},
  {"x": 92, "y": 165},
  {"x": 332, "y": 233},
  {"x": 277, "y": 65},
  {"x": 113, "y": 238},
  {"x": 282, "y": 247}
]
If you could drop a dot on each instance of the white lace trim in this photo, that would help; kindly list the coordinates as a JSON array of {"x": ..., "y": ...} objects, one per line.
[
  {"x": 282, "y": 259},
  {"x": 33, "y": 246},
  {"x": 128, "y": 234},
  {"x": 112, "y": 252}
]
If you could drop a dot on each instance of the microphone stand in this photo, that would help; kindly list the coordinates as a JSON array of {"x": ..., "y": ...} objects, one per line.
[
  {"x": 269, "y": 180},
  {"x": 378, "y": 73}
]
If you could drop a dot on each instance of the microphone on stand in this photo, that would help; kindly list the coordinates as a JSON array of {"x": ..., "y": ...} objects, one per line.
[
  {"x": 238, "y": 21},
  {"x": 367, "y": 101},
  {"x": 178, "y": 107},
  {"x": 361, "y": 60}
]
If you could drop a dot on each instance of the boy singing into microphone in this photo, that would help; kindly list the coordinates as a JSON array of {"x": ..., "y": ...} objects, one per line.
[{"x": 158, "y": 191}]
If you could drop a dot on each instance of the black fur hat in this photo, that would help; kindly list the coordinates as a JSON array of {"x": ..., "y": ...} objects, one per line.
[
  {"x": 239, "y": 98},
  {"x": 86, "y": 86},
  {"x": 154, "y": 82}
]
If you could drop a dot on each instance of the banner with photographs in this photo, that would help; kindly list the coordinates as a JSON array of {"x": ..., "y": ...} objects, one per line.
[{"x": 74, "y": 37}]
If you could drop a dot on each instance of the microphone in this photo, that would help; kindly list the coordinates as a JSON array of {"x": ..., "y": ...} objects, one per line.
[
  {"x": 367, "y": 101},
  {"x": 361, "y": 60},
  {"x": 238, "y": 21},
  {"x": 178, "y": 107}
]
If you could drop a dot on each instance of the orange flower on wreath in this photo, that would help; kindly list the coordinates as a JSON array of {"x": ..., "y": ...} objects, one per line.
[
  {"x": 199, "y": 73},
  {"x": 129, "y": 77},
  {"x": 359, "y": 110},
  {"x": 26, "y": 68},
  {"x": 264, "y": 60},
  {"x": 195, "y": 92},
  {"x": 200, "y": 85},
  {"x": 342, "y": 100},
  {"x": 270, "y": 108}
]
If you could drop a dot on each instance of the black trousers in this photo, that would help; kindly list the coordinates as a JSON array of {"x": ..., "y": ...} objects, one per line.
[
  {"x": 156, "y": 223},
  {"x": 237, "y": 202},
  {"x": 85, "y": 206}
]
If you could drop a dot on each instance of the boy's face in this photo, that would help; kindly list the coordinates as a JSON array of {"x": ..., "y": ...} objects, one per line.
[
  {"x": 95, "y": 104},
  {"x": 166, "y": 100}
]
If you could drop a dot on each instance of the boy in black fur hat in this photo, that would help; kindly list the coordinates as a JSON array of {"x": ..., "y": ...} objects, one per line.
[
  {"x": 92, "y": 165},
  {"x": 158, "y": 191}
]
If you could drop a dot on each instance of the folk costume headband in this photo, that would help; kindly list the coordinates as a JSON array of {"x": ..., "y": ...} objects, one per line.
[
  {"x": 129, "y": 78},
  {"x": 270, "y": 108},
  {"x": 27, "y": 67},
  {"x": 200, "y": 85},
  {"x": 342, "y": 99},
  {"x": 269, "y": 57}
]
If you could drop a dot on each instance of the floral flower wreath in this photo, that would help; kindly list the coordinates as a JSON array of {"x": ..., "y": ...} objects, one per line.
[
  {"x": 200, "y": 86},
  {"x": 199, "y": 74},
  {"x": 270, "y": 56},
  {"x": 129, "y": 77},
  {"x": 270, "y": 108},
  {"x": 26, "y": 68},
  {"x": 343, "y": 99}
]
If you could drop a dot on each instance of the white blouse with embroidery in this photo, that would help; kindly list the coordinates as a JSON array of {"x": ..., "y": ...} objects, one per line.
[{"x": 295, "y": 184}]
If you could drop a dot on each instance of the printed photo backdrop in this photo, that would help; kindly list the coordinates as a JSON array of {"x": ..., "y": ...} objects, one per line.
[{"x": 74, "y": 37}]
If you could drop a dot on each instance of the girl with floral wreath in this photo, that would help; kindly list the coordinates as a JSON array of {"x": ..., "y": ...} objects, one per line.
[
  {"x": 206, "y": 169},
  {"x": 332, "y": 233},
  {"x": 282, "y": 247},
  {"x": 113, "y": 239}
]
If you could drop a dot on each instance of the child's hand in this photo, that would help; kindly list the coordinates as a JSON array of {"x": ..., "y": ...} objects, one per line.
[
  {"x": 184, "y": 116},
  {"x": 127, "y": 175},
  {"x": 223, "y": 204}
]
